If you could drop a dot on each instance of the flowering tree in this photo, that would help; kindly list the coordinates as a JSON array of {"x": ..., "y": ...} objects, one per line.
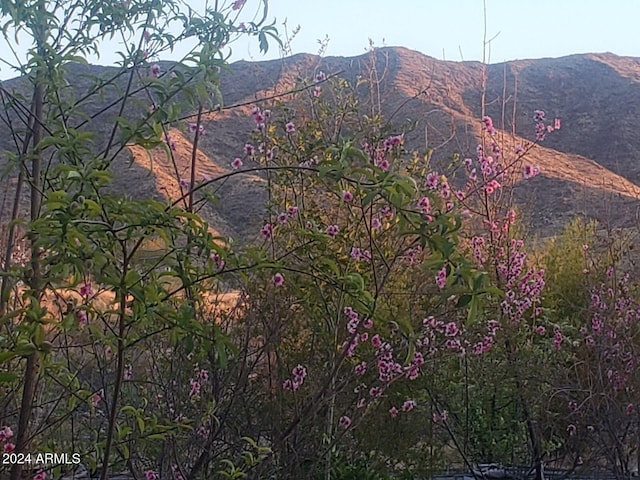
[
  {"x": 381, "y": 294},
  {"x": 77, "y": 315}
]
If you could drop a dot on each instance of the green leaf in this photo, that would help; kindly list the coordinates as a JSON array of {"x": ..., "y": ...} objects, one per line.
[
  {"x": 463, "y": 301},
  {"x": 222, "y": 356},
  {"x": 474, "y": 308},
  {"x": 5, "y": 356},
  {"x": 8, "y": 377},
  {"x": 39, "y": 335},
  {"x": 140, "y": 422},
  {"x": 131, "y": 278},
  {"x": 331, "y": 265},
  {"x": 354, "y": 281},
  {"x": 264, "y": 44}
]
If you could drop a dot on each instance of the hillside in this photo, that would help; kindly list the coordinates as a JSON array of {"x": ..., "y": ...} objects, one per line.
[{"x": 590, "y": 167}]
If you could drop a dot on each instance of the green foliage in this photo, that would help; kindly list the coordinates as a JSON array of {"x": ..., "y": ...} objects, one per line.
[{"x": 565, "y": 261}]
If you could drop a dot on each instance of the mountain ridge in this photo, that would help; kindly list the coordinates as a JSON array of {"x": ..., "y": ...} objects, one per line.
[{"x": 596, "y": 96}]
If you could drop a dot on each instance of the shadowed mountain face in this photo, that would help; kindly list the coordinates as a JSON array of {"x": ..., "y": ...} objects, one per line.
[{"x": 590, "y": 167}]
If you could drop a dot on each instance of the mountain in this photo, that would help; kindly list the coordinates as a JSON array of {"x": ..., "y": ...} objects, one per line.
[{"x": 590, "y": 167}]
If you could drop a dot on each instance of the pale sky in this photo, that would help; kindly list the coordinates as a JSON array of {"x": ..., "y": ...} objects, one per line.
[
  {"x": 449, "y": 29},
  {"x": 453, "y": 29}
]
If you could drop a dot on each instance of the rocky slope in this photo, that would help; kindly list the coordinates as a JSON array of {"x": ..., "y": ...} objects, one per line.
[{"x": 590, "y": 167}]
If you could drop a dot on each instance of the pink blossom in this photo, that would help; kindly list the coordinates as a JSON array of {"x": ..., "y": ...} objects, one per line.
[
  {"x": 40, "y": 476},
  {"x": 9, "y": 447},
  {"x": 488, "y": 125},
  {"x": 347, "y": 196},
  {"x": 441, "y": 278},
  {"x": 95, "y": 399},
  {"x": 629, "y": 409},
  {"x": 538, "y": 115},
  {"x": 299, "y": 373},
  {"x": 259, "y": 117},
  {"x": 418, "y": 359},
  {"x": 408, "y": 405},
  {"x": 443, "y": 416},
  {"x": 376, "y": 224},
  {"x": 540, "y": 330},
  {"x": 184, "y": 183},
  {"x": 278, "y": 279},
  {"x": 217, "y": 260},
  {"x": 195, "y": 388},
  {"x": 194, "y": 126},
  {"x": 283, "y": 218},
  {"x": 393, "y": 411},
  {"x": 425, "y": 204},
  {"x": 292, "y": 211},
  {"x": 237, "y": 5},
  {"x": 249, "y": 149},
  {"x": 332, "y": 230},
  {"x": 413, "y": 372},
  {"x": 5, "y": 433},
  {"x": 169, "y": 141},
  {"x": 290, "y": 127},
  {"x": 360, "y": 369},
  {"x": 529, "y": 171},
  {"x": 267, "y": 231},
  {"x": 154, "y": 70},
  {"x": 376, "y": 341},
  {"x": 237, "y": 163},
  {"x": 82, "y": 317},
  {"x": 451, "y": 329},
  {"x": 317, "y": 91},
  {"x": 557, "y": 338},
  {"x": 396, "y": 140},
  {"x": 86, "y": 290},
  {"x": 298, "y": 377},
  {"x": 151, "y": 475},
  {"x": 345, "y": 422}
]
